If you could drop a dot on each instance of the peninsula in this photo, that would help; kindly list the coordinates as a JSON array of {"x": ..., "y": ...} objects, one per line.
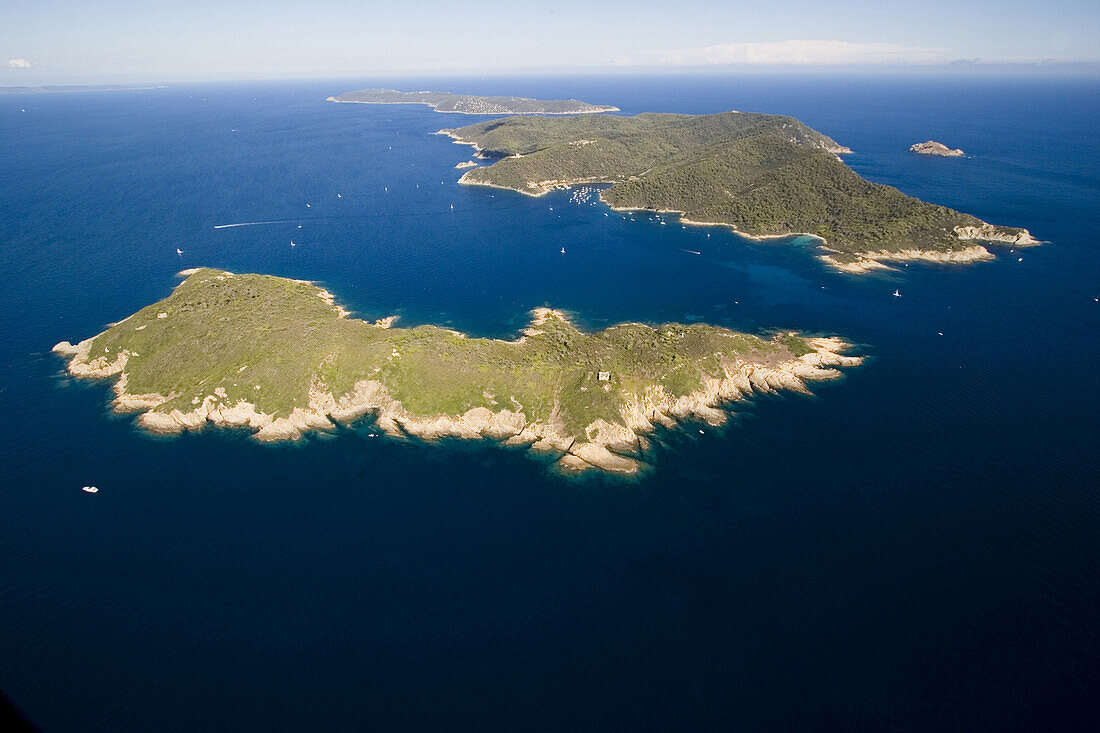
[
  {"x": 934, "y": 148},
  {"x": 764, "y": 176},
  {"x": 471, "y": 104},
  {"x": 279, "y": 357}
]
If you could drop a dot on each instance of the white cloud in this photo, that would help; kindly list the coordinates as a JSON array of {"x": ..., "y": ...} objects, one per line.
[
  {"x": 800, "y": 53},
  {"x": 18, "y": 63}
]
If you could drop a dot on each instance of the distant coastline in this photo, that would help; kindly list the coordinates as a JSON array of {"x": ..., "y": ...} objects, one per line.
[{"x": 472, "y": 104}]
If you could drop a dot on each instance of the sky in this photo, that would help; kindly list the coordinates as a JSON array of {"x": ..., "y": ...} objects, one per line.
[{"x": 69, "y": 41}]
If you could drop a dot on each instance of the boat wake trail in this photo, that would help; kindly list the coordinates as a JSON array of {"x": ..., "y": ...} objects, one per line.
[{"x": 253, "y": 223}]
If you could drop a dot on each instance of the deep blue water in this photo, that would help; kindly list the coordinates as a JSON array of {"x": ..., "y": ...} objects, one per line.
[{"x": 915, "y": 548}]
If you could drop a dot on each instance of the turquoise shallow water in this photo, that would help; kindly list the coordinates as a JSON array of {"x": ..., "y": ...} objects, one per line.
[{"x": 914, "y": 548}]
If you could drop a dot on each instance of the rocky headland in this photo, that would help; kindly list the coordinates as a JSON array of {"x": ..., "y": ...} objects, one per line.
[
  {"x": 762, "y": 176},
  {"x": 582, "y": 400}
]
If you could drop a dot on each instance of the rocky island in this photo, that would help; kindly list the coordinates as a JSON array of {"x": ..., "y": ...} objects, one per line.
[
  {"x": 471, "y": 104},
  {"x": 279, "y": 357},
  {"x": 764, "y": 176},
  {"x": 934, "y": 148}
]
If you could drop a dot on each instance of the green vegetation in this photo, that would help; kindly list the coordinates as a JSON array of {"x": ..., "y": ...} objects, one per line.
[
  {"x": 794, "y": 343},
  {"x": 473, "y": 104},
  {"x": 764, "y": 175},
  {"x": 265, "y": 340}
]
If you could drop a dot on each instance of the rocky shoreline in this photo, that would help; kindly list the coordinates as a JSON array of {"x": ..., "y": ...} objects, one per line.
[
  {"x": 865, "y": 261},
  {"x": 619, "y": 449},
  {"x": 934, "y": 148},
  {"x": 870, "y": 261}
]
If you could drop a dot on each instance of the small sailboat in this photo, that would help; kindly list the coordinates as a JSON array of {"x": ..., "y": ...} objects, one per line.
[
  {"x": 179, "y": 251},
  {"x": 339, "y": 196},
  {"x": 452, "y": 207},
  {"x": 299, "y": 226},
  {"x": 563, "y": 250},
  {"x": 89, "y": 489},
  {"x": 292, "y": 243},
  {"x": 897, "y": 294}
]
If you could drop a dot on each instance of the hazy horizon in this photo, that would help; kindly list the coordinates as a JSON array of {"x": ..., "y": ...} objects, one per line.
[{"x": 122, "y": 41}]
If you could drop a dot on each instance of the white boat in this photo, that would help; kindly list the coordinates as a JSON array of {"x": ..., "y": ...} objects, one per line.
[
  {"x": 452, "y": 207},
  {"x": 292, "y": 243},
  {"x": 179, "y": 251},
  {"x": 308, "y": 206},
  {"x": 897, "y": 294},
  {"x": 89, "y": 489},
  {"x": 339, "y": 196},
  {"x": 563, "y": 250}
]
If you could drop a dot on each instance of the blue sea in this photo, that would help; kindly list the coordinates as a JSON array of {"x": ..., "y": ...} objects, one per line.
[{"x": 914, "y": 548}]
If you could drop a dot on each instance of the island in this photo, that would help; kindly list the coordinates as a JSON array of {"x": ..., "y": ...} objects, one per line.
[
  {"x": 764, "y": 176},
  {"x": 281, "y": 358},
  {"x": 471, "y": 104},
  {"x": 934, "y": 148}
]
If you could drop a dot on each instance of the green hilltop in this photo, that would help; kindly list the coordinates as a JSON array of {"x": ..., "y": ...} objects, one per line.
[
  {"x": 280, "y": 357},
  {"x": 763, "y": 175}
]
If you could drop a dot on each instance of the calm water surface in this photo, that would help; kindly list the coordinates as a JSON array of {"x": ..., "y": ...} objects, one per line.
[{"x": 915, "y": 548}]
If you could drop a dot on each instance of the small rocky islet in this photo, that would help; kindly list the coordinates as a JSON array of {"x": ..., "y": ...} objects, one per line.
[{"x": 932, "y": 147}]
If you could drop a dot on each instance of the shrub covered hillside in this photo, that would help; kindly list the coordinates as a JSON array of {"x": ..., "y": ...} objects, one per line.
[
  {"x": 764, "y": 175},
  {"x": 281, "y": 357}
]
